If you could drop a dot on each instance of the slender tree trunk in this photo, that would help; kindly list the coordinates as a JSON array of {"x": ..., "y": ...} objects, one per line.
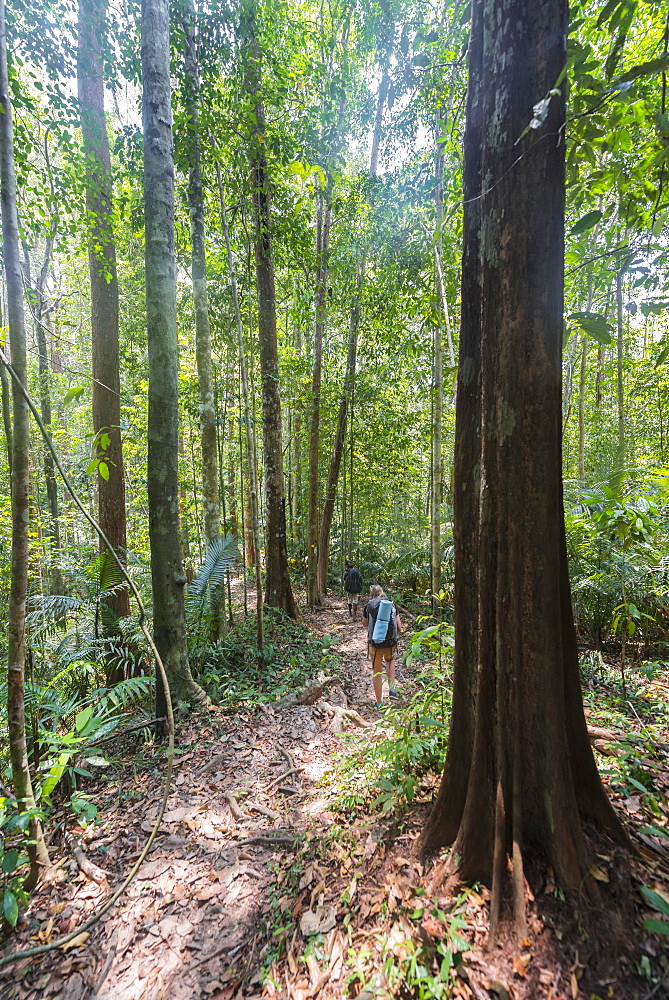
[
  {"x": 527, "y": 780},
  {"x": 167, "y": 576},
  {"x": 16, "y": 630},
  {"x": 297, "y": 453},
  {"x": 278, "y": 590},
  {"x": 210, "y": 495},
  {"x": 346, "y": 402},
  {"x": 104, "y": 292},
  {"x": 620, "y": 458},
  {"x": 250, "y": 438},
  {"x": 581, "y": 408},
  {"x": 7, "y": 420},
  {"x": 323, "y": 218},
  {"x": 437, "y": 387}
]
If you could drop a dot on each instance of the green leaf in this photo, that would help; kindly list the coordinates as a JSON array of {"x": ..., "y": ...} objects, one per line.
[
  {"x": 655, "y": 900},
  {"x": 650, "y": 68},
  {"x": 103, "y": 469},
  {"x": 10, "y": 908},
  {"x": 656, "y": 927},
  {"x": 54, "y": 775},
  {"x": 82, "y": 718},
  {"x": 9, "y": 861},
  {"x": 594, "y": 325},
  {"x": 587, "y": 221},
  {"x": 73, "y": 393}
]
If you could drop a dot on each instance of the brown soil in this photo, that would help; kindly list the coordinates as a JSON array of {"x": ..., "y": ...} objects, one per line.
[{"x": 243, "y": 854}]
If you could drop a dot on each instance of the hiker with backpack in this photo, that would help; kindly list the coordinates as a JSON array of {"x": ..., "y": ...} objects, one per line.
[
  {"x": 383, "y": 624},
  {"x": 353, "y": 588}
]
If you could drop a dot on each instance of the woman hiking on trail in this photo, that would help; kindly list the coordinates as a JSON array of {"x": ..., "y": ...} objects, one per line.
[{"x": 382, "y": 620}]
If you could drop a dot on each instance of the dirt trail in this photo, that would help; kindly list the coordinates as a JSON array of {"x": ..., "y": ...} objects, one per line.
[{"x": 193, "y": 921}]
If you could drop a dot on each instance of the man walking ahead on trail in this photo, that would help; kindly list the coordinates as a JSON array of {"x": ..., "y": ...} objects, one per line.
[
  {"x": 352, "y": 586},
  {"x": 382, "y": 620}
]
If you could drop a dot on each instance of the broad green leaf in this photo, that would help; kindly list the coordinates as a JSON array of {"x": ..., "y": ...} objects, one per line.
[
  {"x": 656, "y": 927},
  {"x": 82, "y": 718},
  {"x": 73, "y": 393},
  {"x": 10, "y": 908},
  {"x": 655, "y": 900},
  {"x": 587, "y": 221},
  {"x": 103, "y": 469},
  {"x": 650, "y": 68},
  {"x": 54, "y": 775},
  {"x": 595, "y": 325},
  {"x": 9, "y": 861}
]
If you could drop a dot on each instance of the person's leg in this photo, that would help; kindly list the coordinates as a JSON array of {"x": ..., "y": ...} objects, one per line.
[
  {"x": 389, "y": 663},
  {"x": 354, "y": 605},
  {"x": 377, "y": 675}
]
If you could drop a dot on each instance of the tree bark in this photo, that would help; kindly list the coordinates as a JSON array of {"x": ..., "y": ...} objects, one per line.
[
  {"x": 167, "y": 576},
  {"x": 248, "y": 423},
  {"x": 208, "y": 444},
  {"x": 323, "y": 218},
  {"x": 104, "y": 293},
  {"x": 278, "y": 590},
  {"x": 620, "y": 355},
  {"x": 16, "y": 630},
  {"x": 444, "y": 820},
  {"x": 527, "y": 781}
]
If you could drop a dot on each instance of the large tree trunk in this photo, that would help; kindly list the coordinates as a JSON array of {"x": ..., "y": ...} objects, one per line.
[
  {"x": 526, "y": 781},
  {"x": 167, "y": 576},
  {"x": 208, "y": 444},
  {"x": 104, "y": 293},
  {"x": 16, "y": 631},
  {"x": 278, "y": 590}
]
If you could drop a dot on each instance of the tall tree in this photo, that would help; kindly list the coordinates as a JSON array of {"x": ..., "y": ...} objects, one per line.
[
  {"x": 104, "y": 293},
  {"x": 16, "y": 631},
  {"x": 527, "y": 778},
  {"x": 278, "y": 590},
  {"x": 208, "y": 445},
  {"x": 167, "y": 575},
  {"x": 346, "y": 400}
]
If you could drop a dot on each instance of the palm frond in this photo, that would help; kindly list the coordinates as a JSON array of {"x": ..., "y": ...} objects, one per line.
[{"x": 205, "y": 591}]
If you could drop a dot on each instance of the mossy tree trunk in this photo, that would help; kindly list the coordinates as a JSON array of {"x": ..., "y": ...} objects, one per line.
[
  {"x": 167, "y": 576},
  {"x": 104, "y": 294}
]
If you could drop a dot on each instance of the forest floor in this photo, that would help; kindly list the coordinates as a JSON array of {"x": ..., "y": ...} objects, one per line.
[{"x": 261, "y": 884}]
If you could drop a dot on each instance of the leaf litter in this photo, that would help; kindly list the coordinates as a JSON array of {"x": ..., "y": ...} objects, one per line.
[{"x": 257, "y": 886}]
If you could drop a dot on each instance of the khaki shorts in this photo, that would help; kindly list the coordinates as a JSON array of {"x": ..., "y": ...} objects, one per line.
[
  {"x": 378, "y": 653},
  {"x": 352, "y": 598}
]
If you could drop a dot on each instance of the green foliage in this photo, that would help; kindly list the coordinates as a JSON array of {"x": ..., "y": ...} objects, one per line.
[
  {"x": 617, "y": 571},
  {"x": 207, "y": 590},
  {"x": 383, "y": 772},
  {"x": 14, "y": 838}
]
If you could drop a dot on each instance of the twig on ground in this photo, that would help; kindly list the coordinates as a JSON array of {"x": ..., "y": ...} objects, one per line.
[
  {"x": 104, "y": 972},
  {"x": 212, "y": 763},
  {"x": 263, "y": 810},
  {"x": 288, "y": 790},
  {"x": 238, "y": 813},
  {"x": 282, "y": 777}
]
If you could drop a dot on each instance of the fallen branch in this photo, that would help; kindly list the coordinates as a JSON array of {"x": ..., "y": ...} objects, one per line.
[
  {"x": 104, "y": 972},
  {"x": 89, "y": 868},
  {"x": 273, "y": 838},
  {"x": 306, "y": 696}
]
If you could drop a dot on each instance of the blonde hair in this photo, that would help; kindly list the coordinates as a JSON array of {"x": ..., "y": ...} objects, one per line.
[{"x": 376, "y": 591}]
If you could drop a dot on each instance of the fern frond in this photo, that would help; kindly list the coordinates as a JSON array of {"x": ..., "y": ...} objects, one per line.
[{"x": 205, "y": 590}]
